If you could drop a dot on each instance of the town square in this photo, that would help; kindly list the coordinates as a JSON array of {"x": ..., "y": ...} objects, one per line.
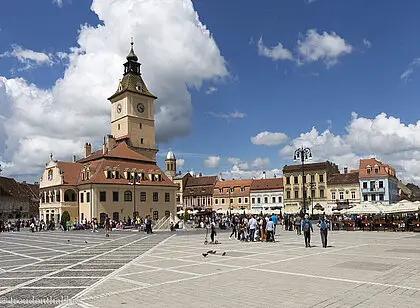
[{"x": 183, "y": 153}]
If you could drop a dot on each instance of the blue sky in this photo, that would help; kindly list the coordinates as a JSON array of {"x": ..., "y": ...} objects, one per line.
[{"x": 360, "y": 52}]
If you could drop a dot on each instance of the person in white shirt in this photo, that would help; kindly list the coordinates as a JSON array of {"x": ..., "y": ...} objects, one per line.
[
  {"x": 270, "y": 230},
  {"x": 252, "y": 225}
]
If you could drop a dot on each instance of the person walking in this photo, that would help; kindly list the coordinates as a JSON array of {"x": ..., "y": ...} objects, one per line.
[
  {"x": 107, "y": 227},
  {"x": 263, "y": 225},
  {"x": 307, "y": 228},
  {"x": 323, "y": 227},
  {"x": 213, "y": 231},
  {"x": 234, "y": 225},
  {"x": 298, "y": 225},
  {"x": 274, "y": 219},
  {"x": 252, "y": 225},
  {"x": 270, "y": 230}
]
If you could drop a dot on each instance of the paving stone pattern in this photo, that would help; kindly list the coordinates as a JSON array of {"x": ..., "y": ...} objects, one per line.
[{"x": 60, "y": 265}]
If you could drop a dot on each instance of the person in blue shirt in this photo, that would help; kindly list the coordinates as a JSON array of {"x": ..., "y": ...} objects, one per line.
[
  {"x": 274, "y": 219},
  {"x": 307, "y": 228},
  {"x": 323, "y": 227}
]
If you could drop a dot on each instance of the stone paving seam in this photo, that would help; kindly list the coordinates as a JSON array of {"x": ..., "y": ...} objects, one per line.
[
  {"x": 27, "y": 245},
  {"x": 64, "y": 254},
  {"x": 55, "y": 272},
  {"x": 112, "y": 274}
]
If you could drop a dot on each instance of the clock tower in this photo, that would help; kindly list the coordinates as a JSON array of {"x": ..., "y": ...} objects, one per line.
[{"x": 132, "y": 111}]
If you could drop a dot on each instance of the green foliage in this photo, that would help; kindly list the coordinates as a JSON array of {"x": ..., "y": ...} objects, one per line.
[{"x": 65, "y": 217}]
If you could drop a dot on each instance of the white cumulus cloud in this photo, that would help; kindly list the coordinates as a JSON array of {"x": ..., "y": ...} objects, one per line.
[
  {"x": 261, "y": 162},
  {"x": 232, "y": 115},
  {"x": 384, "y": 137},
  {"x": 277, "y": 52},
  {"x": 180, "y": 162},
  {"x": 212, "y": 162},
  {"x": 327, "y": 47},
  {"x": 176, "y": 50},
  {"x": 269, "y": 138}
]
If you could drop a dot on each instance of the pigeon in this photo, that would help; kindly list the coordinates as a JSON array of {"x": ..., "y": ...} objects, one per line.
[
  {"x": 224, "y": 254},
  {"x": 68, "y": 241},
  {"x": 85, "y": 242},
  {"x": 204, "y": 254},
  {"x": 212, "y": 252}
]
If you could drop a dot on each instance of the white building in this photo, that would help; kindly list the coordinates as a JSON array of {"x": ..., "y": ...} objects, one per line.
[{"x": 267, "y": 194}]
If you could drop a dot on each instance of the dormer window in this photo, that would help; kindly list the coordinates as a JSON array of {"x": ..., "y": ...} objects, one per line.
[
  {"x": 242, "y": 189},
  {"x": 108, "y": 174},
  {"x": 159, "y": 177},
  {"x": 117, "y": 174},
  {"x": 232, "y": 189}
]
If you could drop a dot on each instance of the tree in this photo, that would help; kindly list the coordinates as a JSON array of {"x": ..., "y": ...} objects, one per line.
[{"x": 65, "y": 217}]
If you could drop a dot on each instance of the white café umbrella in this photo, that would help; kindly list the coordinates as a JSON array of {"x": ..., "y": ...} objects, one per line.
[
  {"x": 403, "y": 206},
  {"x": 365, "y": 208}
]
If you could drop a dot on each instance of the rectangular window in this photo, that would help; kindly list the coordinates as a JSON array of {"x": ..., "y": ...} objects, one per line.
[
  {"x": 246, "y": 200},
  {"x": 258, "y": 200},
  {"x": 279, "y": 199},
  {"x": 296, "y": 194},
  {"x": 232, "y": 189},
  {"x": 376, "y": 171},
  {"x": 220, "y": 191},
  {"x": 140, "y": 125},
  {"x": 273, "y": 200},
  {"x": 253, "y": 200},
  {"x": 321, "y": 193},
  {"x": 223, "y": 200},
  {"x": 141, "y": 140},
  {"x": 155, "y": 215},
  {"x": 88, "y": 197},
  {"x": 296, "y": 180},
  {"x": 381, "y": 184},
  {"x": 312, "y": 178},
  {"x": 239, "y": 200},
  {"x": 82, "y": 195},
  {"x": 312, "y": 193},
  {"x": 167, "y": 197},
  {"x": 143, "y": 196},
  {"x": 242, "y": 189},
  {"x": 353, "y": 195},
  {"x": 115, "y": 196},
  {"x": 155, "y": 197},
  {"x": 341, "y": 195},
  {"x": 288, "y": 194},
  {"x": 365, "y": 197},
  {"x": 321, "y": 178},
  {"x": 231, "y": 200},
  {"x": 216, "y": 201},
  {"x": 368, "y": 171},
  {"x": 364, "y": 185},
  {"x": 373, "y": 197},
  {"x": 288, "y": 180},
  {"x": 381, "y": 197},
  {"x": 265, "y": 200},
  {"x": 102, "y": 196},
  {"x": 333, "y": 195},
  {"x": 82, "y": 217}
]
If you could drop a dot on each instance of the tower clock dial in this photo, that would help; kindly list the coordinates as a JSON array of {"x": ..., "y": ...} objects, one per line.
[
  {"x": 119, "y": 108},
  {"x": 140, "y": 107}
]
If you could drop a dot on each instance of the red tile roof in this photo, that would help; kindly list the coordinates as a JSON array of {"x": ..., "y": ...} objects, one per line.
[
  {"x": 70, "y": 172},
  {"x": 343, "y": 179},
  {"x": 201, "y": 181},
  {"x": 384, "y": 170},
  {"x": 267, "y": 184}
]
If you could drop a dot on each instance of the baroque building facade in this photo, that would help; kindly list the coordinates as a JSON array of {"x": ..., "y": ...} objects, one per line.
[
  {"x": 267, "y": 194},
  {"x": 232, "y": 194},
  {"x": 122, "y": 179}
]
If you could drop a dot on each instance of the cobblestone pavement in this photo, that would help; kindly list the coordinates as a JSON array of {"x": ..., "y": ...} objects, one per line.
[
  {"x": 358, "y": 269},
  {"x": 56, "y": 266}
]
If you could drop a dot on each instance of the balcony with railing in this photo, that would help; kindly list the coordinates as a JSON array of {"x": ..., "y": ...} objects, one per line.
[{"x": 373, "y": 190}]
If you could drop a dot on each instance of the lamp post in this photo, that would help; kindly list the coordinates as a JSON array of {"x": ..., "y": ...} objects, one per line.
[
  {"x": 303, "y": 154},
  {"x": 312, "y": 185},
  {"x": 136, "y": 181}
]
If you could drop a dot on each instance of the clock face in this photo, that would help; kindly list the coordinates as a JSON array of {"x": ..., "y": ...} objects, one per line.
[
  {"x": 119, "y": 108},
  {"x": 140, "y": 107}
]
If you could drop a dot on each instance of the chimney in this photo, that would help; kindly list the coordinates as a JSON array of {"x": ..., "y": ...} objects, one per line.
[
  {"x": 104, "y": 147},
  {"x": 346, "y": 170},
  {"x": 220, "y": 177},
  {"x": 24, "y": 182},
  {"x": 200, "y": 175},
  {"x": 74, "y": 159},
  {"x": 88, "y": 149},
  {"x": 264, "y": 175},
  {"x": 111, "y": 142}
]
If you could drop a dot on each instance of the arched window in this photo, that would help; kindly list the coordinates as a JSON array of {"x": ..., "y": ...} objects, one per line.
[
  {"x": 50, "y": 175},
  {"x": 128, "y": 196}
]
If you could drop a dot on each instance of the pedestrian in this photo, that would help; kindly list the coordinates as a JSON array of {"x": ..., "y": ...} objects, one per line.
[
  {"x": 274, "y": 219},
  {"x": 252, "y": 225},
  {"x": 213, "y": 231},
  {"x": 307, "y": 228},
  {"x": 270, "y": 230},
  {"x": 323, "y": 227},
  {"x": 263, "y": 224},
  {"x": 234, "y": 225},
  {"x": 107, "y": 227},
  {"x": 298, "y": 225}
]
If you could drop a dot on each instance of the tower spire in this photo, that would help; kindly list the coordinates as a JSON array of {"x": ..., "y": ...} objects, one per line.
[{"x": 132, "y": 56}]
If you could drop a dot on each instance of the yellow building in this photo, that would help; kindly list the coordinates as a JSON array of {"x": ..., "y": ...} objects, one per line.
[
  {"x": 314, "y": 185},
  {"x": 343, "y": 190},
  {"x": 232, "y": 194},
  {"x": 122, "y": 179}
]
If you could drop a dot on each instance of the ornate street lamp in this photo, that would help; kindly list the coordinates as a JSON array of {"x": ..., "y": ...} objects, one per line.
[
  {"x": 303, "y": 154},
  {"x": 136, "y": 181}
]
